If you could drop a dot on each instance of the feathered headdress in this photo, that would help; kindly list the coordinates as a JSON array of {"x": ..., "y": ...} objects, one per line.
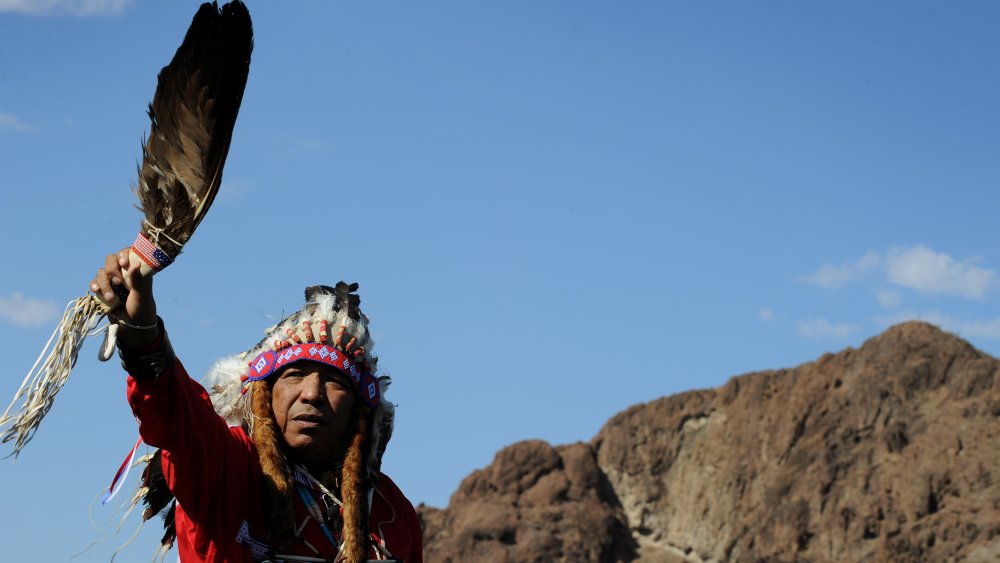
[{"x": 192, "y": 116}]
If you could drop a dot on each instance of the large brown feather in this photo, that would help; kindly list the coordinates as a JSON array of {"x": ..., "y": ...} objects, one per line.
[{"x": 193, "y": 112}]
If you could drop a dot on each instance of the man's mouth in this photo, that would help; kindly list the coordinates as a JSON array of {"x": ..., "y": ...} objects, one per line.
[{"x": 308, "y": 418}]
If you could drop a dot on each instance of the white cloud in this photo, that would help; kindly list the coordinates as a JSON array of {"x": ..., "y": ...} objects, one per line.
[
  {"x": 923, "y": 269},
  {"x": 71, "y": 7},
  {"x": 13, "y": 123},
  {"x": 833, "y": 277},
  {"x": 25, "y": 311},
  {"x": 977, "y": 329},
  {"x": 822, "y": 329},
  {"x": 889, "y": 298},
  {"x": 917, "y": 267},
  {"x": 765, "y": 314},
  {"x": 231, "y": 191}
]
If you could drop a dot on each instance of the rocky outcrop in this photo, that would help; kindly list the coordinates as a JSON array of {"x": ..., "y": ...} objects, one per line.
[
  {"x": 885, "y": 453},
  {"x": 534, "y": 503}
]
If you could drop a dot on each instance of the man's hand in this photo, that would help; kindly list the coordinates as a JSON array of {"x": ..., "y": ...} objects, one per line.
[{"x": 139, "y": 309}]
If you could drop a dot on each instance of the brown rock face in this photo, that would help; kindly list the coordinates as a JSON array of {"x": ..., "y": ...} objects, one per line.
[
  {"x": 885, "y": 453},
  {"x": 534, "y": 503}
]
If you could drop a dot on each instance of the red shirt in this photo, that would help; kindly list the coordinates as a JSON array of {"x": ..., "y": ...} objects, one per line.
[{"x": 214, "y": 472}]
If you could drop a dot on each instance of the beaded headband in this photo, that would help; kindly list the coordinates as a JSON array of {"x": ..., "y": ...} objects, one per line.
[{"x": 268, "y": 362}]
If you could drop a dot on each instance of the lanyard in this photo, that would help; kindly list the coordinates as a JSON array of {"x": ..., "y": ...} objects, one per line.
[{"x": 313, "y": 508}]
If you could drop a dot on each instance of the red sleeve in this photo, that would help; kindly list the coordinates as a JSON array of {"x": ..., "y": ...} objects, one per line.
[
  {"x": 210, "y": 467},
  {"x": 395, "y": 521}
]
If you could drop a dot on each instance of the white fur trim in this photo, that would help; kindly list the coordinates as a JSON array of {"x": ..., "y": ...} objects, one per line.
[{"x": 223, "y": 385}]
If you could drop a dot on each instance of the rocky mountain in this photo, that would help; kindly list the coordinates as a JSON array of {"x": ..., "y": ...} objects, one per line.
[{"x": 889, "y": 452}]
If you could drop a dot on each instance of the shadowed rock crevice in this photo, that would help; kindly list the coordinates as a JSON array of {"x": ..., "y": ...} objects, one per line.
[{"x": 884, "y": 453}]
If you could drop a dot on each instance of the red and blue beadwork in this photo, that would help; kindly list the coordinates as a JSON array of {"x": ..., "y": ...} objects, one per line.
[
  {"x": 150, "y": 254},
  {"x": 268, "y": 362}
]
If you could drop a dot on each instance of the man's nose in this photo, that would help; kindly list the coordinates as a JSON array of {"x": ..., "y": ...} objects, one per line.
[{"x": 312, "y": 388}]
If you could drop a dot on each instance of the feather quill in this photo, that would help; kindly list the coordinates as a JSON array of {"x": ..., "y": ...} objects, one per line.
[{"x": 192, "y": 116}]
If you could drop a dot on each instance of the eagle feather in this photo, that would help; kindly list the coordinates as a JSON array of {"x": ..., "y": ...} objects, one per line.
[{"x": 192, "y": 115}]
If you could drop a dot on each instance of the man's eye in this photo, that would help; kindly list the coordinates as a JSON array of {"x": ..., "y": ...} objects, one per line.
[{"x": 337, "y": 382}]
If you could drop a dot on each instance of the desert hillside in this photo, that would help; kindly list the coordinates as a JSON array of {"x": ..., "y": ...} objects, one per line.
[{"x": 883, "y": 453}]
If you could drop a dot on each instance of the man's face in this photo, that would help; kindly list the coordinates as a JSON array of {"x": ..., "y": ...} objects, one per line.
[{"x": 312, "y": 405}]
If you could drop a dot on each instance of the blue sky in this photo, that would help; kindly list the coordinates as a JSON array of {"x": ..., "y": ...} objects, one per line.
[{"x": 555, "y": 210}]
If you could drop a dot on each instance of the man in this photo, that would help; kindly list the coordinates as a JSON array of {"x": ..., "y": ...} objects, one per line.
[{"x": 282, "y": 463}]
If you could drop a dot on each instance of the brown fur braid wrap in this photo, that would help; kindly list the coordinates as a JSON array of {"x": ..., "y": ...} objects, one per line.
[
  {"x": 277, "y": 476},
  {"x": 354, "y": 488}
]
